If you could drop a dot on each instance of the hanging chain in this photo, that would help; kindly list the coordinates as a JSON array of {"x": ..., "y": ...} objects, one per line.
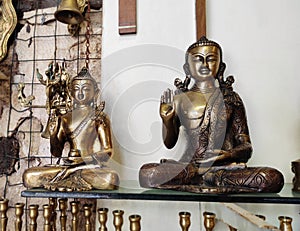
[{"x": 87, "y": 36}]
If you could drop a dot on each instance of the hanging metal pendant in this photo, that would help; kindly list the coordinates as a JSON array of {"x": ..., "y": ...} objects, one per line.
[
  {"x": 9, "y": 154},
  {"x": 9, "y": 150},
  {"x": 8, "y": 22}
]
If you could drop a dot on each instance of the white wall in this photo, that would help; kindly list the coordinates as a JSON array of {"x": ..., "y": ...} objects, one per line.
[
  {"x": 136, "y": 70},
  {"x": 260, "y": 40}
]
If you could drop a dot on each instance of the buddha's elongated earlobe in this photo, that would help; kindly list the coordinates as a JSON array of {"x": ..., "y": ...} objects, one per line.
[{"x": 186, "y": 69}]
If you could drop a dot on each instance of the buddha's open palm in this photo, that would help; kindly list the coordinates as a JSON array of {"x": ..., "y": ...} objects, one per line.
[{"x": 167, "y": 106}]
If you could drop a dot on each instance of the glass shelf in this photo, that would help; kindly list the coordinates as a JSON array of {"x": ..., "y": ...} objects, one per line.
[{"x": 130, "y": 190}]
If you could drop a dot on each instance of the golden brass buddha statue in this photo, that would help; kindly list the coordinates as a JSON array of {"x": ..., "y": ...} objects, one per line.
[
  {"x": 87, "y": 130},
  {"x": 213, "y": 118}
]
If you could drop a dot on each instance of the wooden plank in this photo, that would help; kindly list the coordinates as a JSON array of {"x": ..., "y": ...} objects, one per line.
[
  {"x": 200, "y": 18},
  {"x": 127, "y": 17}
]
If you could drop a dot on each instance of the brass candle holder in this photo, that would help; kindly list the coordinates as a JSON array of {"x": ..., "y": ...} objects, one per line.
[
  {"x": 87, "y": 208},
  {"x": 3, "y": 215},
  {"x": 19, "y": 211},
  {"x": 47, "y": 217},
  {"x": 53, "y": 205},
  {"x": 184, "y": 220},
  {"x": 285, "y": 223},
  {"x": 63, "y": 213},
  {"x": 209, "y": 221},
  {"x": 118, "y": 219},
  {"x": 74, "y": 212},
  {"x": 135, "y": 222},
  {"x": 33, "y": 214},
  {"x": 102, "y": 217}
]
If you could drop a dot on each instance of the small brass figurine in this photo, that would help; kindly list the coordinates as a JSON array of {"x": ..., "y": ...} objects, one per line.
[
  {"x": 23, "y": 100},
  {"x": 213, "y": 118},
  {"x": 87, "y": 130},
  {"x": 58, "y": 96},
  {"x": 296, "y": 179}
]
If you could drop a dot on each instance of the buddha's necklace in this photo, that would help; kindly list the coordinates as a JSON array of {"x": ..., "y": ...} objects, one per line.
[{"x": 205, "y": 90}]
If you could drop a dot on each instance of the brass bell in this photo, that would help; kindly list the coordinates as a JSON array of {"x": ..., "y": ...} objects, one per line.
[{"x": 69, "y": 13}]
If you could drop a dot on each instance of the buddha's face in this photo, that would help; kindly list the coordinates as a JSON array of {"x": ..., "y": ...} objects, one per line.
[
  {"x": 83, "y": 91},
  {"x": 203, "y": 62}
]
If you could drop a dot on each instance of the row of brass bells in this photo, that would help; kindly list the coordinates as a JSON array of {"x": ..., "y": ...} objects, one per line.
[{"x": 69, "y": 13}]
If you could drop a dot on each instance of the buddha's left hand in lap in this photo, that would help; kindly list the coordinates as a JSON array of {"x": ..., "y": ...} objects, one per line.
[{"x": 215, "y": 156}]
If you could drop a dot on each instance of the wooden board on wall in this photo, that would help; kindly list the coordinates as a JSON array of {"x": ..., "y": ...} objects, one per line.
[
  {"x": 127, "y": 17},
  {"x": 200, "y": 18}
]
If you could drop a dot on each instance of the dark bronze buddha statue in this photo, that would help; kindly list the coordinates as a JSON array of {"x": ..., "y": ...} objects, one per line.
[{"x": 214, "y": 120}]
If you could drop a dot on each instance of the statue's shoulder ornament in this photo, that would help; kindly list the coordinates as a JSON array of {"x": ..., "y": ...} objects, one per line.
[
  {"x": 230, "y": 96},
  {"x": 100, "y": 116}
]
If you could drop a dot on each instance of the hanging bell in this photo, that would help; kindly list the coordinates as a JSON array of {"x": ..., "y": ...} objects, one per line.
[{"x": 69, "y": 13}]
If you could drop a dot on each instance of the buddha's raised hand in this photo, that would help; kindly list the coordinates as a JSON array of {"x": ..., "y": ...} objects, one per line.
[{"x": 167, "y": 106}]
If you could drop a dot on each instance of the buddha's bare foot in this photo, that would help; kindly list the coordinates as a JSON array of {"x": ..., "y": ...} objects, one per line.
[{"x": 72, "y": 183}]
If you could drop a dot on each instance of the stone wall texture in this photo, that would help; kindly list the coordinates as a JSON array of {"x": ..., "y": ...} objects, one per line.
[{"x": 39, "y": 40}]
